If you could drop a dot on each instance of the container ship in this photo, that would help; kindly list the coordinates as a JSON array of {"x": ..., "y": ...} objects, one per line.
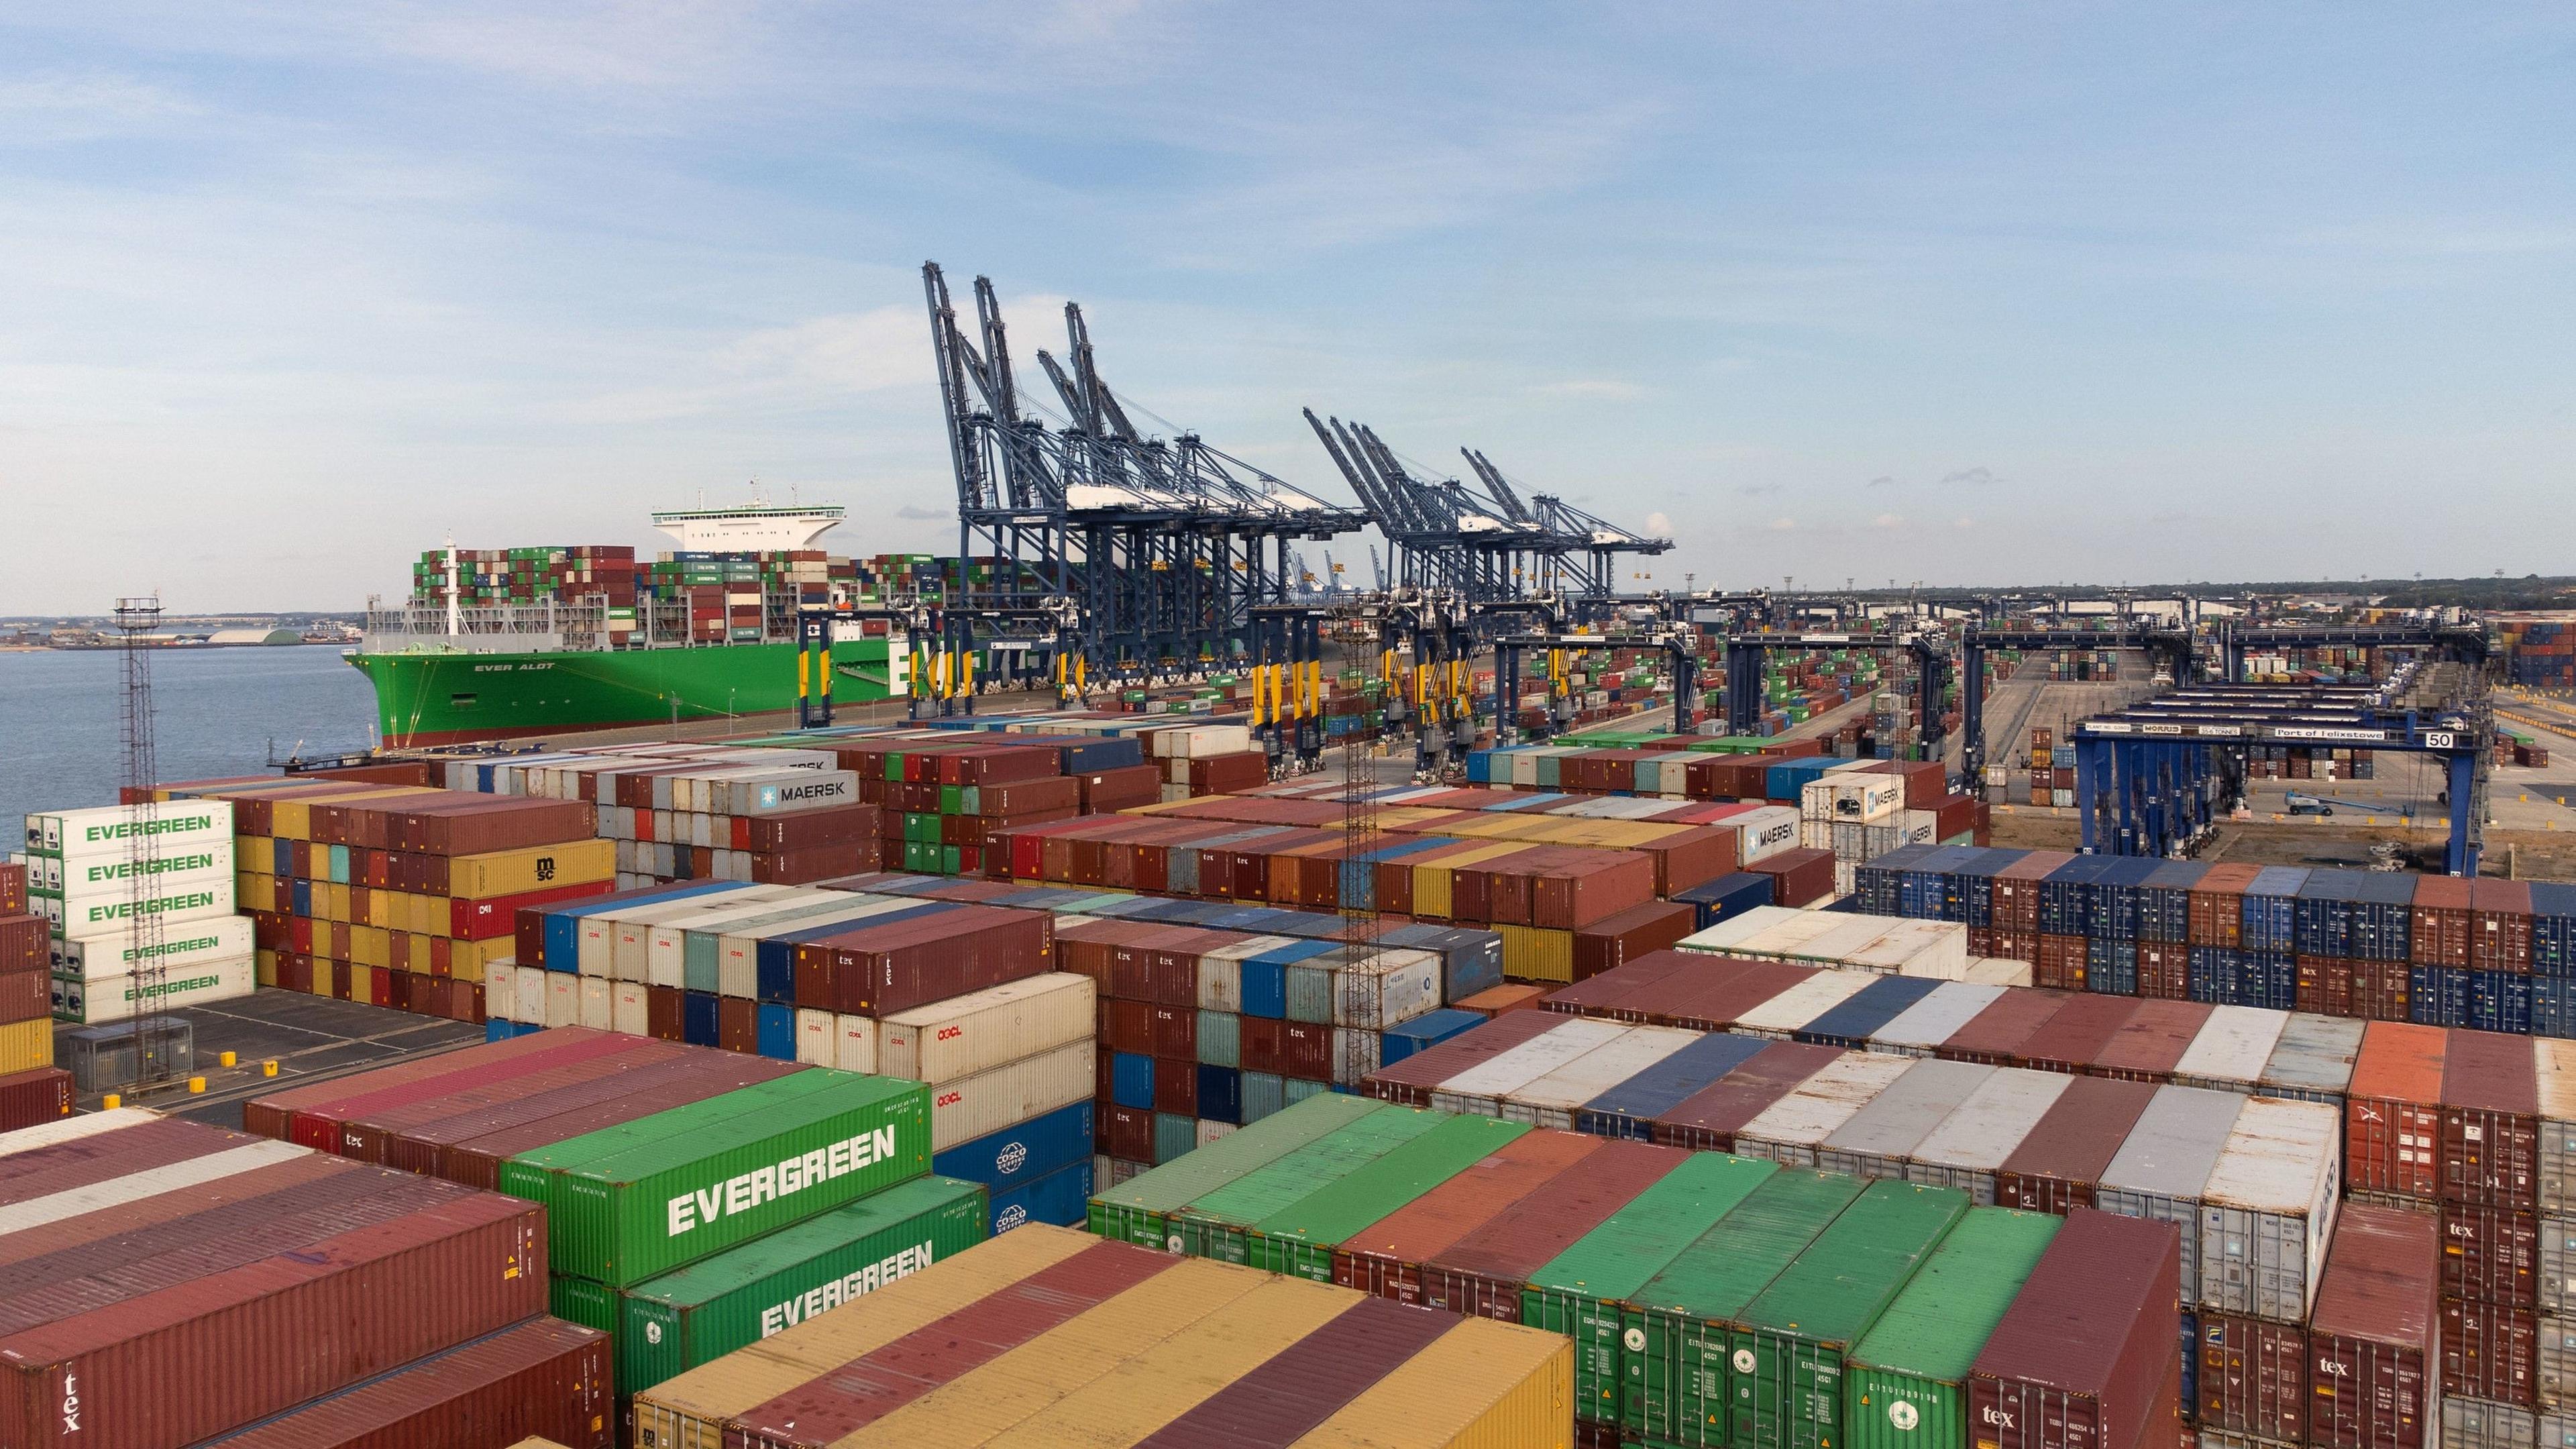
[{"x": 509, "y": 643}]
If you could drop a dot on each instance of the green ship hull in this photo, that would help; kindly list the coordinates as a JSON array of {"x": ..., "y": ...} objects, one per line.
[{"x": 447, "y": 698}]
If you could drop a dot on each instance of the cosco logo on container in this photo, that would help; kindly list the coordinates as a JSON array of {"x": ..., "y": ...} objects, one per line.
[
  {"x": 1902, "y": 1415},
  {"x": 1011, "y": 1217},
  {"x": 1012, "y": 1158}
]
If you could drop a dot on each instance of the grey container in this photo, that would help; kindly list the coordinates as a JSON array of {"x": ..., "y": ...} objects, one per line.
[
  {"x": 2231, "y": 1050},
  {"x": 2486, "y": 1424},
  {"x": 1919, "y": 1028},
  {"x": 1972, "y": 1143},
  {"x": 1220, "y": 1038},
  {"x": 2313, "y": 1062},
  {"x": 2556, "y": 1360},
  {"x": 2159, "y": 1173},
  {"x": 2557, "y": 1431},
  {"x": 2554, "y": 1075},
  {"x": 1881, "y": 1137},
  {"x": 2558, "y": 1265},
  {"x": 2268, "y": 1209}
]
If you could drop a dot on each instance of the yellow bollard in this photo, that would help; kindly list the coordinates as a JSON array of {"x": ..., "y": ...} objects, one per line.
[
  {"x": 226, "y": 1059},
  {"x": 196, "y": 1085},
  {"x": 268, "y": 1068},
  {"x": 110, "y": 1102}
]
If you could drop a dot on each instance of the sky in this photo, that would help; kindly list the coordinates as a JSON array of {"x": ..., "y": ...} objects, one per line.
[{"x": 1969, "y": 293}]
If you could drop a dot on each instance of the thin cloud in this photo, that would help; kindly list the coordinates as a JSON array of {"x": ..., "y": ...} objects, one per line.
[
  {"x": 1759, "y": 490},
  {"x": 915, "y": 510},
  {"x": 1888, "y": 520},
  {"x": 1659, "y": 525},
  {"x": 1970, "y": 478},
  {"x": 1883, "y": 480},
  {"x": 1783, "y": 525}
]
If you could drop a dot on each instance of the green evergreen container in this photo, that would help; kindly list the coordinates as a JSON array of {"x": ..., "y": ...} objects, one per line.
[
  {"x": 1579, "y": 1292},
  {"x": 1299, "y": 1240},
  {"x": 1675, "y": 1327},
  {"x": 710, "y": 1308},
  {"x": 643, "y": 1198},
  {"x": 1215, "y": 1226},
  {"x": 1801, "y": 1327},
  {"x": 1905, "y": 1384},
  {"x": 1134, "y": 1211}
]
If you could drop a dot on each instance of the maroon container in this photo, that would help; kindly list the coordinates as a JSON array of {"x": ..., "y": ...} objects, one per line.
[
  {"x": 1175, "y": 1033},
  {"x": 1482, "y": 1274},
  {"x": 2489, "y": 1154},
  {"x": 1176, "y": 1086},
  {"x": 2217, "y": 905},
  {"x": 286, "y": 1328},
  {"x": 2164, "y": 970},
  {"x": 2500, "y": 925},
  {"x": 1263, "y": 1048},
  {"x": 2072, "y": 1039},
  {"x": 2061, "y": 963},
  {"x": 366, "y": 1134},
  {"x": 1306, "y": 1050},
  {"x": 1798, "y": 877},
  {"x": 1631, "y": 933},
  {"x": 1708, "y": 1119},
  {"x": 104, "y": 1157},
  {"x": 2439, "y": 921},
  {"x": 2153, "y": 1039},
  {"x": 1127, "y": 1026},
  {"x": 1127, "y": 1133},
  {"x": 1715, "y": 1001},
  {"x": 2490, "y": 1255},
  {"x": 1995, "y": 1036},
  {"x": 1691, "y": 857},
  {"x": 2370, "y": 1336},
  {"x": 2089, "y": 1352},
  {"x": 544, "y": 1378},
  {"x": 1603, "y": 995},
  {"x": 468, "y": 1146},
  {"x": 2253, "y": 1377},
  {"x": 737, "y": 1024},
  {"x": 2055, "y": 1168},
  {"x": 321, "y": 1105},
  {"x": 884, "y": 969},
  {"x": 2015, "y": 895},
  {"x": 2381, "y": 990},
  {"x": 30, "y": 1097},
  {"x": 2490, "y": 1352},
  {"x": 1409, "y": 1082}
]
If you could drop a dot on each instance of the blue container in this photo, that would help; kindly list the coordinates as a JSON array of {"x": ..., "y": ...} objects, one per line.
[
  {"x": 1131, "y": 1080},
  {"x": 1470, "y": 960},
  {"x": 1726, "y": 897},
  {"x": 2553, "y": 929},
  {"x": 2553, "y": 1006},
  {"x": 300, "y": 892},
  {"x": 1880, "y": 883},
  {"x": 2164, "y": 903},
  {"x": 1405, "y": 1038},
  {"x": 2191, "y": 1358},
  {"x": 560, "y": 940},
  {"x": 1022, "y": 1153},
  {"x": 2066, "y": 896},
  {"x": 2271, "y": 980},
  {"x": 1785, "y": 780},
  {"x": 1220, "y": 1094},
  {"x": 2111, "y": 967},
  {"x": 1850, "y": 1022},
  {"x": 1265, "y": 977},
  {"x": 498, "y": 1030},
  {"x": 1923, "y": 888},
  {"x": 699, "y": 1019},
  {"x": 2500, "y": 1001},
  {"x": 1973, "y": 884},
  {"x": 1061, "y": 1198},
  {"x": 1090, "y": 756},
  {"x": 2321, "y": 922},
  {"x": 2120, "y": 896},
  {"x": 1263, "y": 1094},
  {"x": 1629, "y": 1109},
  {"x": 2268, "y": 914},
  {"x": 2438, "y": 996},
  {"x": 2383, "y": 916},
  {"x": 777, "y": 1033}
]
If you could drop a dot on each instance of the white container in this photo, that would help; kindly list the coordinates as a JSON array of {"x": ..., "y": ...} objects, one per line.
[
  {"x": 1221, "y": 971},
  {"x": 501, "y": 990},
  {"x": 1551, "y": 1100},
  {"x": 2315, "y": 1059},
  {"x": 630, "y": 932},
  {"x": 1971, "y": 1145},
  {"x": 1882, "y": 1136},
  {"x": 2160, "y": 1172},
  {"x": 779, "y": 792},
  {"x": 1481, "y": 1088},
  {"x": 2230, "y": 1051},
  {"x": 2554, "y": 1061},
  {"x": 1012, "y": 1093},
  {"x": 1396, "y": 987},
  {"x": 173, "y": 861},
  {"x": 738, "y": 955},
  {"x": 981, "y": 1030},
  {"x": 854, "y": 1043},
  {"x": 597, "y": 1004},
  {"x": 1998, "y": 971},
  {"x": 1210, "y": 1130},
  {"x": 1723, "y": 938},
  {"x": 563, "y": 998},
  {"x": 818, "y": 1037},
  {"x": 1919, "y": 1028},
  {"x": 114, "y": 998},
  {"x": 1790, "y": 1130},
  {"x": 175, "y": 826},
  {"x": 112, "y": 914},
  {"x": 627, "y": 1011},
  {"x": 1783, "y": 1014},
  {"x": 2269, "y": 1209},
  {"x": 1937, "y": 950},
  {"x": 1201, "y": 741},
  {"x": 1763, "y": 832},
  {"x": 183, "y": 944},
  {"x": 74, "y": 1128},
  {"x": 531, "y": 996}
]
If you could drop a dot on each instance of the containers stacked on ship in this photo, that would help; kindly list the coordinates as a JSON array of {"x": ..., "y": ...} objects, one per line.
[
  {"x": 696, "y": 1201},
  {"x": 32, "y": 1088},
  {"x": 337, "y": 1302},
  {"x": 1123, "y": 1346},
  {"x": 80, "y": 876}
]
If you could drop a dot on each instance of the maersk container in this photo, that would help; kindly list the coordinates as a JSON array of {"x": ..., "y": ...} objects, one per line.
[
  {"x": 675, "y": 1322},
  {"x": 1581, "y": 1292},
  {"x": 1905, "y": 1384},
  {"x": 633, "y": 1201},
  {"x": 1970, "y": 1146},
  {"x": 1679, "y": 1379},
  {"x": 1300, "y": 1237},
  {"x": 1554, "y": 1099},
  {"x": 1791, "y": 1130},
  {"x": 2268, "y": 1210},
  {"x": 1800, "y": 1329},
  {"x": 1218, "y": 1224},
  {"x": 2162, "y": 1168},
  {"x": 1883, "y": 1135}
]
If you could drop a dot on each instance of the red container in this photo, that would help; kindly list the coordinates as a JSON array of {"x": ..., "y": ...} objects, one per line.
[
  {"x": 2324, "y": 985},
  {"x": 471, "y": 1151},
  {"x": 1127, "y": 1026},
  {"x": 2055, "y": 1168},
  {"x": 1306, "y": 1050},
  {"x": 2015, "y": 894},
  {"x": 1176, "y": 1086},
  {"x": 2061, "y": 963},
  {"x": 2393, "y": 1111},
  {"x": 1175, "y": 1033},
  {"x": 2088, "y": 1352},
  {"x": 1995, "y": 1036},
  {"x": 367, "y": 1134},
  {"x": 884, "y": 969},
  {"x": 2490, "y": 1148},
  {"x": 2370, "y": 1339},
  {"x": 2490, "y": 1352},
  {"x": 1708, "y": 999},
  {"x": 25, "y": 945},
  {"x": 37, "y": 1095},
  {"x": 1798, "y": 877},
  {"x": 1482, "y": 1273},
  {"x": 2254, "y": 1377},
  {"x": 1409, "y": 1082},
  {"x": 2500, "y": 925},
  {"x": 1385, "y": 1258},
  {"x": 2218, "y": 904},
  {"x": 2164, "y": 970},
  {"x": 29, "y": 995},
  {"x": 2490, "y": 1255},
  {"x": 545, "y": 1378},
  {"x": 2439, "y": 921},
  {"x": 310, "y": 1116},
  {"x": 2072, "y": 1040},
  {"x": 1630, "y": 934},
  {"x": 1707, "y": 1120},
  {"x": 2380, "y": 989},
  {"x": 2153, "y": 1039}
]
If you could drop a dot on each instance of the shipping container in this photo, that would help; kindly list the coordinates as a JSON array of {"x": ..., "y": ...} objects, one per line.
[
  {"x": 2089, "y": 1351},
  {"x": 2252, "y": 1376},
  {"x": 2554, "y": 1089},
  {"x": 1905, "y": 1384},
  {"x": 2315, "y": 1059},
  {"x": 2059, "y": 1162},
  {"x": 1136, "y": 1211},
  {"x": 1386, "y": 1257},
  {"x": 1629, "y": 1108},
  {"x": 1554, "y": 1100},
  {"x": 1299, "y": 1238},
  {"x": 1709, "y": 1119},
  {"x": 1920, "y": 1029},
  {"x": 980, "y": 1030},
  {"x": 2232, "y": 1049},
  {"x": 1792, "y": 1130},
  {"x": 544, "y": 1381},
  {"x": 1218, "y": 1223},
  {"x": 2489, "y": 1154},
  {"x": 1883, "y": 1135},
  {"x": 2268, "y": 1209},
  {"x": 2393, "y": 1111},
  {"x": 1968, "y": 1147},
  {"x": 1485, "y": 1272},
  {"x": 1581, "y": 1293},
  {"x": 1410, "y": 1081},
  {"x": 2160, "y": 1172}
]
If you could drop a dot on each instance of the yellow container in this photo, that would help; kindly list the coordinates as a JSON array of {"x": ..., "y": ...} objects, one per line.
[
  {"x": 371, "y": 946},
  {"x": 1481, "y": 1385},
  {"x": 362, "y": 981},
  {"x": 26, "y": 1045},
  {"x": 263, "y": 965},
  {"x": 1433, "y": 885},
  {"x": 509, "y": 872},
  {"x": 1533, "y": 953}
]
